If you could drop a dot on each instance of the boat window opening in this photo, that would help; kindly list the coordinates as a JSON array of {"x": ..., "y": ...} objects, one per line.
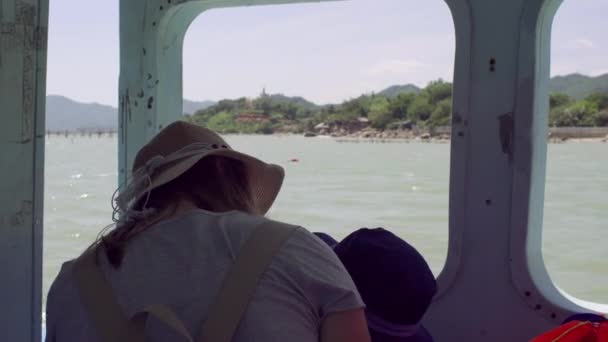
[
  {"x": 330, "y": 186},
  {"x": 576, "y": 191},
  {"x": 320, "y": 77},
  {"x": 81, "y": 121}
]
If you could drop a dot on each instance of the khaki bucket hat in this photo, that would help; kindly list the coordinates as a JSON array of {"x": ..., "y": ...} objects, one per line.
[{"x": 180, "y": 145}]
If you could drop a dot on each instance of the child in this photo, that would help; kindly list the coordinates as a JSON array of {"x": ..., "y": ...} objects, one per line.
[{"x": 394, "y": 281}]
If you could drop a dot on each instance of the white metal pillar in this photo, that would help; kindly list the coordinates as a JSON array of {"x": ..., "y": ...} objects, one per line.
[
  {"x": 150, "y": 91},
  {"x": 495, "y": 286},
  {"x": 23, "y": 37}
]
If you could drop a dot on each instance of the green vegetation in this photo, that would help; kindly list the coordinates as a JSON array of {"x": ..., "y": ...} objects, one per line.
[
  {"x": 263, "y": 115},
  {"x": 590, "y": 111},
  {"x": 397, "y": 106},
  {"x": 267, "y": 114}
]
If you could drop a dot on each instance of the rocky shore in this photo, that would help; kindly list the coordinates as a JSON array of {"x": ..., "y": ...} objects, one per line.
[
  {"x": 440, "y": 135},
  {"x": 400, "y": 135}
]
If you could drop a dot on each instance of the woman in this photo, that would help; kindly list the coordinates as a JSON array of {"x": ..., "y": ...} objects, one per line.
[{"x": 192, "y": 205}]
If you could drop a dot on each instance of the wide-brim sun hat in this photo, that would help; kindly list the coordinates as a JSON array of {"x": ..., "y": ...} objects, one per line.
[{"x": 177, "y": 148}]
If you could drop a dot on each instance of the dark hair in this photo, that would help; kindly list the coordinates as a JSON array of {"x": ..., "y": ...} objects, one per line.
[{"x": 215, "y": 184}]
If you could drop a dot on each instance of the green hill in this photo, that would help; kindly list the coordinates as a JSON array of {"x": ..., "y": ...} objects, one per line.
[
  {"x": 579, "y": 86},
  {"x": 576, "y": 100},
  {"x": 395, "y": 90},
  {"x": 575, "y": 85},
  {"x": 297, "y": 101}
]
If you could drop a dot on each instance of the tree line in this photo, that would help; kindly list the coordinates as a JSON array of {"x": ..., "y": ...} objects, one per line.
[
  {"x": 590, "y": 111},
  {"x": 429, "y": 107}
]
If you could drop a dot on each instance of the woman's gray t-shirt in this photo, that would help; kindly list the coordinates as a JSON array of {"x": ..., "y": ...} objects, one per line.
[{"x": 182, "y": 262}]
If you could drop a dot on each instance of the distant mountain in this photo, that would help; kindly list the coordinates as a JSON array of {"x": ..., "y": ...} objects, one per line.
[
  {"x": 66, "y": 114},
  {"x": 575, "y": 85},
  {"x": 579, "y": 86},
  {"x": 63, "y": 114},
  {"x": 191, "y": 107},
  {"x": 395, "y": 90}
]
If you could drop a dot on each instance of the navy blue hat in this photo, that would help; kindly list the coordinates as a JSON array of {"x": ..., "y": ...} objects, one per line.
[
  {"x": 394, "y": 281},
  {"x": 327, "y": 239}
]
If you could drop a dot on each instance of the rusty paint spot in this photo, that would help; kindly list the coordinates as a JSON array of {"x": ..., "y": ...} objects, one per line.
[
  {"x": 41, "y": 38},
  {"x": 8, "y": 28},
  {"x": 25, "y": 13},
  {"x": 8, "y": 34},
  {"x": 28, "y": 86},
  {"x": 492, "y": 64},
  {"x": 18, "y": 218},
  {"x": 505, "y": 132},
  {"x": 456, "y": 118},
  {"x": 150, "y": 102},
  {"x": 21, "y": 142},
  {"x": 125, "y": 111}
]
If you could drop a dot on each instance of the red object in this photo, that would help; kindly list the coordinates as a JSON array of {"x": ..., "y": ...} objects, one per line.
[{"x": 576, "y": 331}]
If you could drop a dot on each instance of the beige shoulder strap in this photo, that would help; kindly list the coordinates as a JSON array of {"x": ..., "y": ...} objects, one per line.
[
  {"x": 240, "y": 282},
  {"x": 225, "y": 313},
  {"x": 97, "y": 297}
]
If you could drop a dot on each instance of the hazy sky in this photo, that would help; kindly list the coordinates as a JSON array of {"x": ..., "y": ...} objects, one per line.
[{"x": 326, "y": 52}]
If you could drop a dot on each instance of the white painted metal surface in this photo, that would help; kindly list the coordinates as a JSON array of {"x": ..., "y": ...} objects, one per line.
[
  {"x": 497, "y": 176},
  {"x": 23, "y": 30}
]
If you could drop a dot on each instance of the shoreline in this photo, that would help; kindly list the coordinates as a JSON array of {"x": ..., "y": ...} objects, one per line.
[
  {"x": 577, "y": 140},
  {"x": 358, "y": 139},
  {"x": 447, "y": 141},
  {"x": 409, "y": 136},
  {"x": 442, "y": 134},
  {"x": 367, "y": 136},
  {"x": 443, "y": 139}
]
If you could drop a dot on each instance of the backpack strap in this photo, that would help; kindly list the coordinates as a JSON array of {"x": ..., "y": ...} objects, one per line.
[
  {"x": 97, "y": 297},
  {"x": 226, "y": 312},
  {"x": 241, "y": 281},
  {"x": 163, "y": 314}
]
